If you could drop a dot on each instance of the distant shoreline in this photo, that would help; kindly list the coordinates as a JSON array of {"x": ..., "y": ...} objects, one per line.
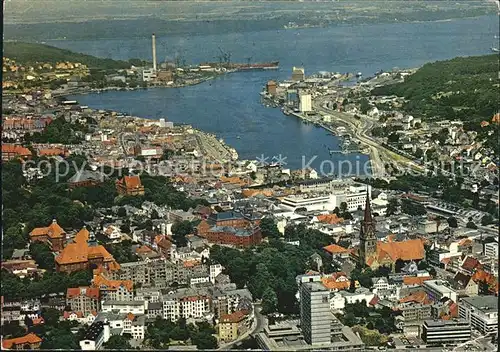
[{"x": 196, "y": 34}]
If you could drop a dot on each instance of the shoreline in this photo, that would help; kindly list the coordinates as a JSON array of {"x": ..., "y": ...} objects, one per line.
[{"x": 85, "y": 91}]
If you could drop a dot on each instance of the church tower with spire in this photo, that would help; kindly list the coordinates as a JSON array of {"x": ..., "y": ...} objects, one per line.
[{"x": 367, "y": 238}]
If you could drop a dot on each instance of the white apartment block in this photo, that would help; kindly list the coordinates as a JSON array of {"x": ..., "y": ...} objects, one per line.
[
  {"x": 134, "y": 307},
  {"x": 215, "y": 270},
  {"x": 481, "y": 312},
  {"x": 305, "y": 102},
  {"x": 185, "y": 304},
  {"x": 491, "y": 249},
  {"x": 437, "y": 289}
]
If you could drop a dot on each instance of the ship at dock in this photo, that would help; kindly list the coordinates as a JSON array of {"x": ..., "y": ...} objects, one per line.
[{"x": 226, "y": 63}]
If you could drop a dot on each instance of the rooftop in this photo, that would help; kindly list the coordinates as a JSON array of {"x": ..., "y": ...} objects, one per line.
[{"x": 485, "y": 304}]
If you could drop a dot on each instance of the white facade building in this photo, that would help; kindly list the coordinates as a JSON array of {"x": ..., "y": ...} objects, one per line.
[
  {"x": 215, "y": 270},
  {"x": 305, "y": 102},
  {"x": 491, "y": 249},
  {"x": 481, "y": 312},
  {"x": 437, "y": 289},
  {"x": 134, "y": 307},
  {"x": 148, "y": 75},
  {"x": 353, "y": 195}
]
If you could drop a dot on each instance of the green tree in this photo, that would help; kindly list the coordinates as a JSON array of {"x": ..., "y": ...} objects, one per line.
[
  {"x": 343, "y": 207},
  {"x": 42, "y": 255},
  {"x": 350, "y": 319},
  {"x": 117, "y": 342},
  {"x": 51, "y": 316},
  {"x": 419, "y": 153},
  {"x": 179, "y": 231},
  {"x": 393, "y": 138},
  {"x": 122, "y": 212},
  {"x": 364, "y": 106},
  {"x": 268, "y": 228},
  {"x": 452, "y": 222},
  {"x": 471, "y": 225},
  {"x": 269, "y": 301},
  {"x": 12, "y": 329},
  {"x": 487, "y": 220},
  {"x": 204, "y": 341},
  {"x": 392, "y": 207}
]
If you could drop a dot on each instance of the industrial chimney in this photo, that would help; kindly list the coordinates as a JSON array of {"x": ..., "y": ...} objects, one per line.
[{"x": 154, "y": 52}]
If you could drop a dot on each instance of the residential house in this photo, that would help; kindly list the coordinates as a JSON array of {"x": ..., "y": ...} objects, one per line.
[
  {"x": 336, "y": 282},
  {"x": 337, "y": 251},
  {"x": 232, "y": 326},
  {"x": 26, "y": 342},
  {"x": 464, "y": 285}
]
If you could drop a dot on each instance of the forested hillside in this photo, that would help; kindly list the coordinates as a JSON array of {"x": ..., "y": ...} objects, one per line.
[{"x": 464, "y": 88}]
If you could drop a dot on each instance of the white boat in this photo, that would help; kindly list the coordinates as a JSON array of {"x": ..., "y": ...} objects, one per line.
[{"x": 495, "y": 50}]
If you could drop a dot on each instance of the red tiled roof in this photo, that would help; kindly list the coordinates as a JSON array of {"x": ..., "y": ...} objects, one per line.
[
  {"x": 132, "y": 181},
  {"x": 332, "y": 219},
  {"x": 405, "y": 250},
  {"x": 417, "y": 297},
  {"x": 101, "y": 280},
  {"x": 471, "y": 263},
  {"x": 53, "y": 231},
  {"x": 374, "y": 301},
  {"x": 235, "y": 317},
  {"x": 334, "y": 249},
  {"x": 31, "y": 338},
  {"x": 491, "y": 280},
  {"x": 79, "y": 251},
  {"x": 337, "y": 281},
  {"x": 51, "y": 152},
  {"x": 90, "y": 292},
  {"x": 15, "y": 149},
  {"x": 415, "y": 280},
  {"x": 143, "y": 249}
]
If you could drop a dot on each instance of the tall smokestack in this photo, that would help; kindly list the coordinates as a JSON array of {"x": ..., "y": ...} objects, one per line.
[{"x": 154, "y": 52}]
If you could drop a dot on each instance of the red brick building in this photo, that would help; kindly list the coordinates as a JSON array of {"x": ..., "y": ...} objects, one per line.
[
  {"x": 231, "y": 227},
  {"x": 130, "y": 186},
  {"x": 234, "y": 236},
  {"x": 84, "y": 253},
  {"x": 53, "y": 235}
]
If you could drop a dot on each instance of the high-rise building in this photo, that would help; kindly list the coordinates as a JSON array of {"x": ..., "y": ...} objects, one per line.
[
  {"x": 367, "y": 238},
  {"x": 298, "y": 74},
  {"x": 305, "y": 102},
  {"x": 315, "y": 315}
]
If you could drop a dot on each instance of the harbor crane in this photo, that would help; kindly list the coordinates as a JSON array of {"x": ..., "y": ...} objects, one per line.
[{"x": 225, "y": 56}]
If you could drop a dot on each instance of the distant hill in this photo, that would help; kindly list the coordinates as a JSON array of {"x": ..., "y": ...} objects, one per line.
[
  {"x": 27, "y": 53},
  {"x": 464, "y": 88}
]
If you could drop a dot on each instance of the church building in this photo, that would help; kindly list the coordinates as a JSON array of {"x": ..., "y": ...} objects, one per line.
[{"x": 374, "y": 254}]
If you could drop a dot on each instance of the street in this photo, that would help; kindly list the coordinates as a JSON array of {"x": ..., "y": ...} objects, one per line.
[{"x": 257, "y": 326}]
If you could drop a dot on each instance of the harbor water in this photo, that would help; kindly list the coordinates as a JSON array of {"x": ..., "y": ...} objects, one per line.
[{"x": 230, "y": 106}]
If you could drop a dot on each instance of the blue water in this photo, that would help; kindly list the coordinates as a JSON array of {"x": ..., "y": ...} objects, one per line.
[{"x": 230, "y": 106}]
